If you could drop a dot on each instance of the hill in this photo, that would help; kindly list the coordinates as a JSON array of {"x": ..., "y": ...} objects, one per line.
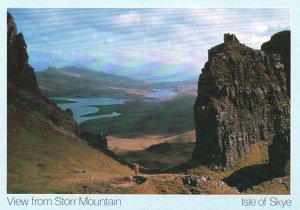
[
  {"x": 43, "y": 145},
  {"x": 71, "y": 81},
  {"x": 42, "y": 156},
  {"x": 154, "y": 151},
  {"x": 79, "y": 82}
]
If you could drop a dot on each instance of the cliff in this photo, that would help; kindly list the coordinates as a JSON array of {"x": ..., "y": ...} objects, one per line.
[
  {"x": 20, "y": 73},
  {"x": 279, "y": 150},
  {"x": 24, "y": 96},
  {"x": 242, "y": 98},
  {"x": 280, "y": 43}
]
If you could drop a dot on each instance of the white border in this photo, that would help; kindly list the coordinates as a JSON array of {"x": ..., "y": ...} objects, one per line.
[{"x": 153, "y": 202}]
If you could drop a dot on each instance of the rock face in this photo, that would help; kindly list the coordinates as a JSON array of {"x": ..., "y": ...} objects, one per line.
[
  {"x": 279, "y": 150},
  {"x": 23, "y": 92},
  {"x": 230, "y": 38},
  {"x": 280, "y": 43},
  {"x": 242, "y": 98},
  {"x": 19, "y": 73}
]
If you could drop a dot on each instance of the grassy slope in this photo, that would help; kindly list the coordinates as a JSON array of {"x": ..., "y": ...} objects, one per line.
[
  {"x": 41, "y": 156},
  {"x": 163, "y": 151},
  {"x": 140, "y": 117},
  {"x": 257, "y": 155},
  {"x": 172, "y": 183},
  {"x": 279, "y": 186},
  {"x": 153, "y": 184},
  {"x": 162, "y": 156},
  {"x": 251, "y": 175}
]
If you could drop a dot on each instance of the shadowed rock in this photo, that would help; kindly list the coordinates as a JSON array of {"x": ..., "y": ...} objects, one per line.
[
  {"x": 230, "y": 38},
  {"x": 280, "y": 43},
  {"x": 279, "y": 152},
  {"x": 19, "y": 72},
  {"x": 22, "y": 88}
]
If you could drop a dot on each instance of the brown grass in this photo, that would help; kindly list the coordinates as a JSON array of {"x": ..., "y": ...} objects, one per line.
[
  {"x": 121, "y": 145},
  {"x": 277, "y": 186},
  {"x": 41, "y": 158},
  {"x": 258, "y": 154},
  {"x": 154, "y": 184}
]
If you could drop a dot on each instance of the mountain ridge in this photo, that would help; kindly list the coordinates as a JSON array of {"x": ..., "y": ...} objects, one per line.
[
  {"x": 82, "y": 82},
  {"x": 148, "y": 72}
]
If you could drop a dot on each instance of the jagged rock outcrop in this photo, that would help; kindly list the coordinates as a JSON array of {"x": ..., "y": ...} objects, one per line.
[
  {"x": 280, "y": 43},
  {"x": 242, "y": 98},
  {"x": 19, "y": 72},
  {"x": 230, "y": 38},
  {"x": 24, "y": 95},
  {"x": 279, "y": 150}
]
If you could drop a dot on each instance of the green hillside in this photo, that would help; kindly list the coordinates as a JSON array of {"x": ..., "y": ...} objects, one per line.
[{"x": 146, "y": 117}]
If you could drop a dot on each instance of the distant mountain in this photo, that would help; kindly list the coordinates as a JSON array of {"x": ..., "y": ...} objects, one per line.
[
  {"x": 84, "y": 74},
  {"x": 154, "y": 71},
  {"x": 81, "y": 82}
]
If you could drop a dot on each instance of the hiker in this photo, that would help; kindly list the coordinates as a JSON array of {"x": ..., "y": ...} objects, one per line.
[{"x": 136, "y": 169}]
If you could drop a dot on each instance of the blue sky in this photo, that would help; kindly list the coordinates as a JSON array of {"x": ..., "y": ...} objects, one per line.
[{"x": 99, "y": 38}]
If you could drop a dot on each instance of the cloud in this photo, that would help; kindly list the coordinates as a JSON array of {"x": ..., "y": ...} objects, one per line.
[
  {"x": 252, "y": 40},
  {"x": 259, "y": 27},
  {"x": 110, "y": 40},
  {"x": 156, "y": 20},
  {"x": 130, "y": 37},
  {"x": 129, "y": 18}
]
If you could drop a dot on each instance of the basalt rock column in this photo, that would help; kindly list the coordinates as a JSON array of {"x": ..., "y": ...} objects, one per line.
[{"x": 242, "y": 98}]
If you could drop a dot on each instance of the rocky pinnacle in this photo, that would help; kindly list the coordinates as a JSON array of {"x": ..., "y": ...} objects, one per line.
[{"x": 242, "y": 98}]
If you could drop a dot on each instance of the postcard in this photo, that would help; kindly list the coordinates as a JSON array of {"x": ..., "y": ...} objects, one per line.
[{"x": 139, "y": 105}]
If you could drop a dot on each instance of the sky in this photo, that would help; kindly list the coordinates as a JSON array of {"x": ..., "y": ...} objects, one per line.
[{"x": 125, "y": 40}]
